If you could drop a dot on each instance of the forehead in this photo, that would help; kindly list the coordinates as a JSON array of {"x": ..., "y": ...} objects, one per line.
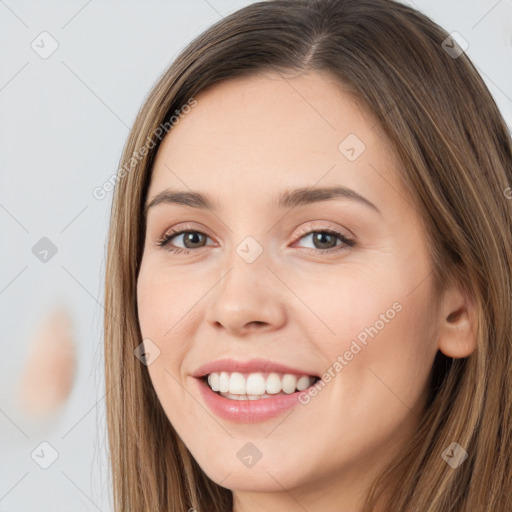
[
  {"x": 304, "y": 107},
  {"x": 271, "y": 132}
]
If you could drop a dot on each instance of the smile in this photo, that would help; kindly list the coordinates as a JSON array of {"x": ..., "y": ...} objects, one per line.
[
  {"x": 257, "y": 386},
  {"x": 251, "y": 391}
]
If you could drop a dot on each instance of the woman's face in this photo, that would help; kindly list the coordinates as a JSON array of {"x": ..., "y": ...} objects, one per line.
[{"x": 262, "y": 294}]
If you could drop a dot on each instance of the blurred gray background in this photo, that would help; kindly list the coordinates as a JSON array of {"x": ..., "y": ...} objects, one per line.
[{"x": 72, "y": 78}]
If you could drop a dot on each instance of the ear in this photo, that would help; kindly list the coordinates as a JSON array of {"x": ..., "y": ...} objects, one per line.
[{"x": 457, "y": 323}]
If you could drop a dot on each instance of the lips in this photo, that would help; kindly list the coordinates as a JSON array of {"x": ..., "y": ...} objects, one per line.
[
  {"x": 253, "y": 386},
  {"x": 252, "y": 366},
  {"x": 249, "y": 400}
]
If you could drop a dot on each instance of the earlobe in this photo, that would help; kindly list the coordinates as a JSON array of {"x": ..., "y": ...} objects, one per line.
[{"x": 457, "y": 324}]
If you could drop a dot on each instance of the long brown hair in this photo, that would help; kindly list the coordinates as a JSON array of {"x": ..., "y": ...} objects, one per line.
[{"x": 456, "y": 156}]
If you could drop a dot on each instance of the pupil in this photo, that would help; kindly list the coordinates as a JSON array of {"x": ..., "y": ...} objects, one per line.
[
  {"x": 189, "y": 237},
  {"x": 320, "y": 236}
]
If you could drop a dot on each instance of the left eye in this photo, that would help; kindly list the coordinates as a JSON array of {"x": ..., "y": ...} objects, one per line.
[{"x": 322, "y": 237}]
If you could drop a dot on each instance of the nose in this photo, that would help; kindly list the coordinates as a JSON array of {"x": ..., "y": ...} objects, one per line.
[{"x": 249, "y": 298}]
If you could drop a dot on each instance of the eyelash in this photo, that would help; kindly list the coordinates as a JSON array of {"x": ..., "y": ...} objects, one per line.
[{"x": 346, "y": 242}]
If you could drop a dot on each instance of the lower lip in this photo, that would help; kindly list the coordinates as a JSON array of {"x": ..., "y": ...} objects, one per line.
[{"x": 247, "y": 411}]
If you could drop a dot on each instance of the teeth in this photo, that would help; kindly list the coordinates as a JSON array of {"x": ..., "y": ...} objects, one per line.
[
  {"x": 273, "y": 383},
  {"x": 237, "y": 384},
  {"x": 289, "y": 383},
  {"x": 303, "y": 383},
  {"x": 253, "y": 386},
  {"x": 214, "y": 381},
  {"x": 223, "y": 382}
]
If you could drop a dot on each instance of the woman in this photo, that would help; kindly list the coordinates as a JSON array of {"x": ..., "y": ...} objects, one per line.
[{"x": 252, "y": 372}]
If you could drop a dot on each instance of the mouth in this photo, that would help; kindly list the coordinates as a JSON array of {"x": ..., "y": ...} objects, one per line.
[
  {"x": 257, "y": 385},
  {"x": 251, "y": 391}
]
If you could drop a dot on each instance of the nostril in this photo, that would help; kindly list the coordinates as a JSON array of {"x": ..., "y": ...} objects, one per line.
[{"x": 256, "y": 324}]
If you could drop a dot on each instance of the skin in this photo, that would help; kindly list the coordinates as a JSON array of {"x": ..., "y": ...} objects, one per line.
[{"x": 247, "y": 140}]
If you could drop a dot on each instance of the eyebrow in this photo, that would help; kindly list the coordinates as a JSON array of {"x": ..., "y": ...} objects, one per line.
[{"x": 287, "y": 199}]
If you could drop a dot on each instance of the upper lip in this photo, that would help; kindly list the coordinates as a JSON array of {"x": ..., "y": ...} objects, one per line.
[{"x": 251, "y": 366}]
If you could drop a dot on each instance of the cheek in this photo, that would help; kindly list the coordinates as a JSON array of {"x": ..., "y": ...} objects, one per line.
[
  {"x": 163, "y": 303},
  {"x": 162, "y": 311},
  {"x": 380, "y": 333},
  {"x": 378, "y": 364},
  {"x": 160, "y": 307}
]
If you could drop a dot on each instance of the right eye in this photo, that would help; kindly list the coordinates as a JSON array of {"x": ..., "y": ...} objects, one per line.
[{"x": 189, "y": 237}]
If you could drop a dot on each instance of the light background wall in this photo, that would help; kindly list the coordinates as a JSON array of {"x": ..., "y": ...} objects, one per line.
[{"x": 63, "y": 123}]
